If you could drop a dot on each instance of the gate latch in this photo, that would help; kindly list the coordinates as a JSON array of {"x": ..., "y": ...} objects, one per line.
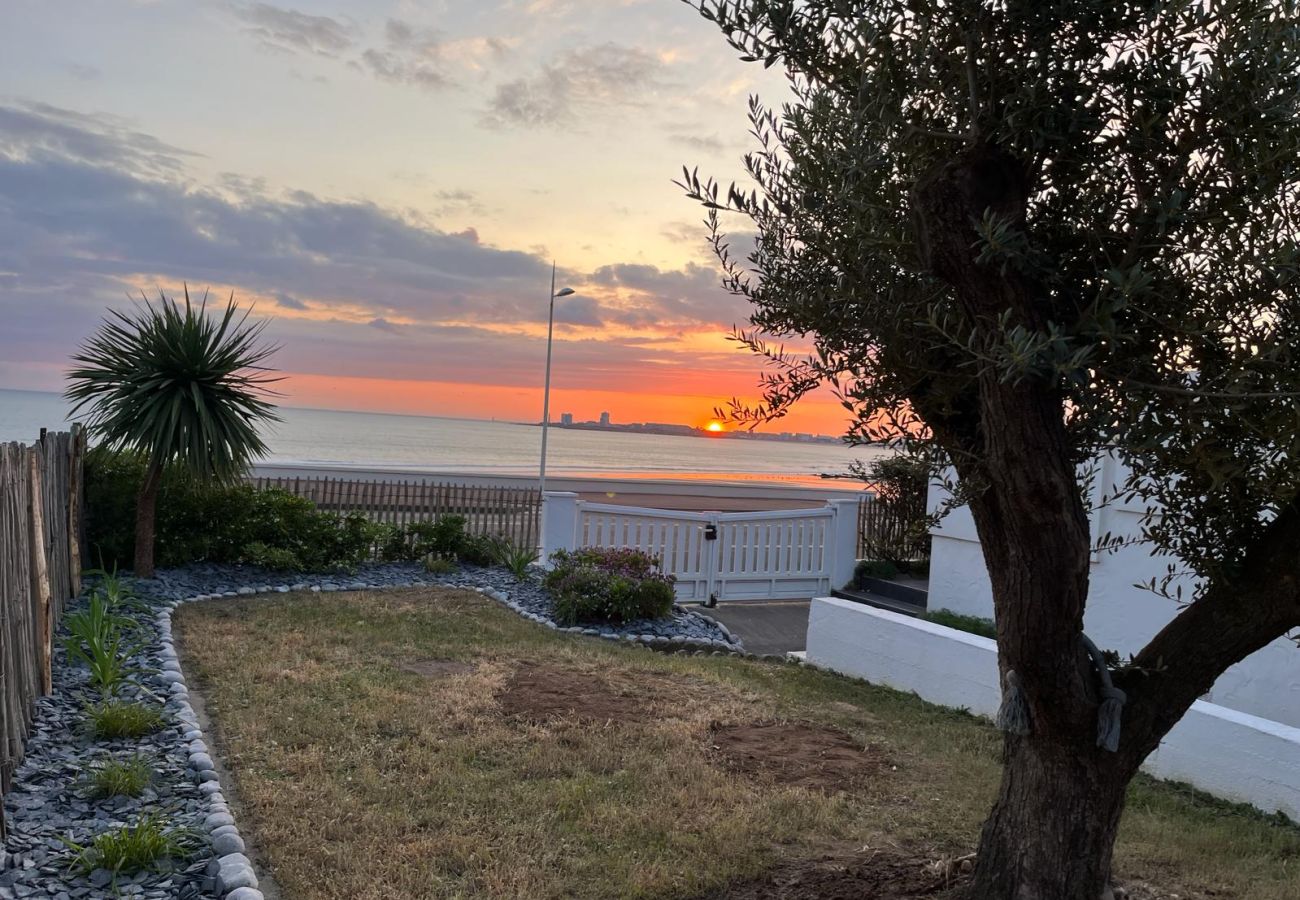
[{"x": 710, "y": 532}]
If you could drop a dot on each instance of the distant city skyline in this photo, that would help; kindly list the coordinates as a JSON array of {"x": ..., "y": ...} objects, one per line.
[{"x": 388, "y": 181}]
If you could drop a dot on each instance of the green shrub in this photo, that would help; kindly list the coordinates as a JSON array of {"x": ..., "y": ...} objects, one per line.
[
  {"x": 201, "y": 521},
  {"x": 873, "y": 568},
  {"x": 135, "y": 848},
  {"x": 597, "y": 585},
  {"x": 118, "y": 778},
  {"x": 277, "y": 558},
  {"x": 111, "y": 719},
  {"x": 439, "y": 565},
  {"x": 916, "y": 568},
  {"x": 112, "y": 480},
  {"x": 970, "y": 624},
  {"x": 478, "y": 550}
]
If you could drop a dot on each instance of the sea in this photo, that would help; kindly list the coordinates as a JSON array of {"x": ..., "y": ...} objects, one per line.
[{"x": 473, "y": 446}]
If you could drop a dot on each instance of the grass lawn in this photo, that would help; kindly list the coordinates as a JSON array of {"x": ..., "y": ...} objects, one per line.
[{"x": 428, "y": 743}]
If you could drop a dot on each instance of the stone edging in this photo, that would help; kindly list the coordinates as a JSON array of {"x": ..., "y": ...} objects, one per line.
[
  {"x": 654, "y": 642},
  {"x": 235, "y": 876}
]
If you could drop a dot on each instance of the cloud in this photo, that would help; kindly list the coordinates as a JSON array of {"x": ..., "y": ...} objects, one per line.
[
  {"x": 409, "y": 56},
  {"x": 586, "y": 78},
  {"x": 37, "y": 131},
  {"x": 707, "y": 143},
  {"x": 287, "y": 301},
  {"x": 278, "y": 28},
  {"x": 83, "y": 72},
  {"x": 80, "y": 232}
]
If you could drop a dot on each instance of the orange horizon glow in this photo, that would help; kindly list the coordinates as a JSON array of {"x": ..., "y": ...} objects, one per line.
[{"x": 523, "y": 404}]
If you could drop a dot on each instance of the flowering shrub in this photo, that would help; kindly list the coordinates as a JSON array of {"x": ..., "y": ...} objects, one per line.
[{"x": 606, "y": 585}]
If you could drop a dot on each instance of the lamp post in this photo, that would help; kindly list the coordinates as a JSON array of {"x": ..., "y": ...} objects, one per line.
[{"x": 546, "y": 391}]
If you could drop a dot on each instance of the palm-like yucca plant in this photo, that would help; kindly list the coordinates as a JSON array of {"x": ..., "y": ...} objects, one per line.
[{"x": 179, "y": 386}]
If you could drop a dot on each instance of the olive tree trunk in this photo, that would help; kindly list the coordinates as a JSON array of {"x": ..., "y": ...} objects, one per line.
[{"x": 1051, "y": 832}]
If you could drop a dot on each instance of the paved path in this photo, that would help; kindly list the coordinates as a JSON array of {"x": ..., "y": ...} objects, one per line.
[{"x": 765, "y": 626}]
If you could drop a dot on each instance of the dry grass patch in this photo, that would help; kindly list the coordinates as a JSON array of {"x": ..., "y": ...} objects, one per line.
[{"x": 427, "y": 743}]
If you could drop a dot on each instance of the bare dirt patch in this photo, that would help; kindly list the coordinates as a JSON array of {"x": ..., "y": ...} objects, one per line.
[
  {"x": 437, "y": 668},
  {"x": 796, "y": 753},
  {"x": 540, "y": 692},
  {"x": 855, "y": 876}
]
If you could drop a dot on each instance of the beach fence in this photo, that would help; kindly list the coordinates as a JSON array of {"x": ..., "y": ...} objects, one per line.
[
  {"x": 40, "y": 570},
  {"x": 509, "y": 511},
  {"x": 892, "y": 530}
]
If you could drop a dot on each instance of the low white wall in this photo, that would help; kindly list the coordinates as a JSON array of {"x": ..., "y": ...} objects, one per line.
[
  {"x": 1120, "y": 616},
  {"x": 1225, "y": 752}
]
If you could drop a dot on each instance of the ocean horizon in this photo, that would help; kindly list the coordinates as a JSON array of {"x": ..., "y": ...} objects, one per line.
[{"x": 357, "y": 439}]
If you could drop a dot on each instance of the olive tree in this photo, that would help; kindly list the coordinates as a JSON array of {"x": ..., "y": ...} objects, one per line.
[{"x": 1022, "y": 233}]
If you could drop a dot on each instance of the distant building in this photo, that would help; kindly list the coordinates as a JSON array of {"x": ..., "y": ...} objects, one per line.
[
  {"x": 604, "y": 418},
  {"x": 566, "y": 418}
]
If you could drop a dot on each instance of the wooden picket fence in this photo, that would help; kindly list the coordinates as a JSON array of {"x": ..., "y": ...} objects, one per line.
[
  {"x": 40, "y": 570},
  {"x": 510, "y": 512}
]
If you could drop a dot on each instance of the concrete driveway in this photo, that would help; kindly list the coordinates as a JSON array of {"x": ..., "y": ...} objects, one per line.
[{"x": 765, "y": 626}]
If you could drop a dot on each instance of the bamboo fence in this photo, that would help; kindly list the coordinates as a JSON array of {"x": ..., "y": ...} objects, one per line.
[
  {"x": 40, "y": 570},
  {"x": 510, "y": 512}
]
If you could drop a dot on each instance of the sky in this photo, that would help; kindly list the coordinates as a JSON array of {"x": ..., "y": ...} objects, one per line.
[{"x": 388, "y": 181}]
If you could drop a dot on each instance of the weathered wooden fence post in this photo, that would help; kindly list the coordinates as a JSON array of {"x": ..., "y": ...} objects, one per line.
[
  {"x": 39, "y": 568},
  {"x": 76, "y": 465}
]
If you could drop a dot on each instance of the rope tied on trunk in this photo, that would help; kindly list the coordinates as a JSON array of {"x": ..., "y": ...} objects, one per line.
[
  {"x": 1013, "y": 714},
  {"x": 1112, "y": 701}
]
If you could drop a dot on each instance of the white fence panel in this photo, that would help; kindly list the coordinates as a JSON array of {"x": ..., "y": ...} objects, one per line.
[
  {"x": 726, "y": 556},
  {"x": 774, "y": 555},
  {"x": 677, "y": 539}
]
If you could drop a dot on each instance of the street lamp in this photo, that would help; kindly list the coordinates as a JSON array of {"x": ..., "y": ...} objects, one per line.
[{"x": 546, "y": 391}]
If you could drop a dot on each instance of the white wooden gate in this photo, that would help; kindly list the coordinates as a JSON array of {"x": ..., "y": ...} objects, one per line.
[{"x": 725, "y": 556}]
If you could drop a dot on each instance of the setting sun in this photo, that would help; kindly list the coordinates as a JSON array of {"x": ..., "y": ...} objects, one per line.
[{"x": 714, "y": 426}]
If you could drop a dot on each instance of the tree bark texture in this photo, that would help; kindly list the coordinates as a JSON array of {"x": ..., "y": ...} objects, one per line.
[{"x": 146, "y": 507}]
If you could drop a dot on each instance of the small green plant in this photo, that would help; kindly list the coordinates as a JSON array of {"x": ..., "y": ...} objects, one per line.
[
  {"x": 146, "y": 845},
  {"x": 873, "y": 568},
  {"x": 515, "y": 558},
  {"x": 118, "y": 778},
  {"x": 280, "y": 559},
  {"x": 438, "y": 565},
  {"x": 110, "y": 719},
  {"x": 96, "y": 639},
  {"x": 970, "y": 624},
  {"x": 115, "y": 590}
]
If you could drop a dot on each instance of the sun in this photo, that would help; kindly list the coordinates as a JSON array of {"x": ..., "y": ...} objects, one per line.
[{"x": 715, "y": 426}]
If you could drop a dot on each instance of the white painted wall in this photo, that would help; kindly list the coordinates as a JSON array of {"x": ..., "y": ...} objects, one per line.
[
  {"x": 1225, "y": 752},
  {"x": 1120, "y": 616}
]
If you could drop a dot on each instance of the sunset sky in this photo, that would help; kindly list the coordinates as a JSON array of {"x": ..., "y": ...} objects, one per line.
[{"x": 388, "y": 180}]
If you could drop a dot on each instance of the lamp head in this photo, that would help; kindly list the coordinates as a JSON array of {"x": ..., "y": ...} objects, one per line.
[{"x": 564, "y": 292}]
